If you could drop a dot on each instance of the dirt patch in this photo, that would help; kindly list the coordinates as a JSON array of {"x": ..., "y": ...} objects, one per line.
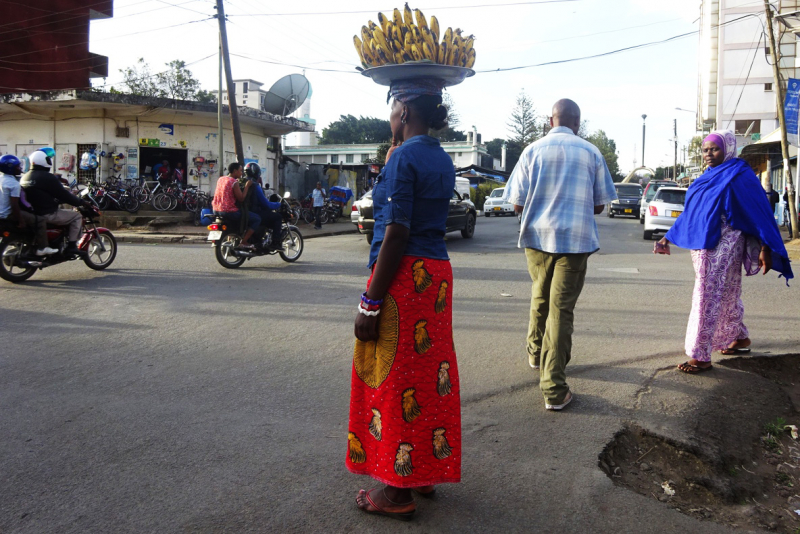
[{"x": 753, "y": 483}]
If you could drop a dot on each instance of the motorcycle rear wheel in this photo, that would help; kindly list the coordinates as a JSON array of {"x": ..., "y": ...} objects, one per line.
[
  {"x": 9, "y": 252},
  {"x": 223, "y": 249},
  {"x": 97, "y": 258},
  {"x": 292, "y": 245}
]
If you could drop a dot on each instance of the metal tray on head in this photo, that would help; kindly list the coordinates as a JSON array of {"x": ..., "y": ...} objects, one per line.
[{"x": 449, "y": 74}]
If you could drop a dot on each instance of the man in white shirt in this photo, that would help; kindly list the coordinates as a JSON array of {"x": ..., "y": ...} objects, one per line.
[
  {"x": 559, "y": 184},
  {"x": 318, "y": 196},
  {"x": 10, "y": 203}
]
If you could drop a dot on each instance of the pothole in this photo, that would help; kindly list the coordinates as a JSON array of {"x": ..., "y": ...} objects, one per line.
[{"x": 755, "y": 484}]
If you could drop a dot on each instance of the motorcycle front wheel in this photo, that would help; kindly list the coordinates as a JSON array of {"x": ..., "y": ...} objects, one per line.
[
  {"x": 10, "y": 251},
  {"x": 292, "y": 245},
  {"x": 100, "y": 252},
  {"x": 224, "y": 249}
]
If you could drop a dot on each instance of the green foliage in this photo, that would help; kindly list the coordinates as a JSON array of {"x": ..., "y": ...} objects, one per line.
[
  {"x": 177, "y": 82},
  {"x": 349, "y": 130},
  {"x": 204, "y": 97},
  {"x": 608, "y": 148},
  {"x": 776, "y": 427},
  {"x": 523, "y": 122},
  {"x": 478, "y": 194},
  {"x": 449, "y": 134},
  {"x": 495, "y": 147},
  {"x": 383, "y": 149},
  {"x": 695, "y": 152}
]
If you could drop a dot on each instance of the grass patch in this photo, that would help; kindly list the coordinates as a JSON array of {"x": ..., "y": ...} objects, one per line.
[{"x": 776, "y": 427}]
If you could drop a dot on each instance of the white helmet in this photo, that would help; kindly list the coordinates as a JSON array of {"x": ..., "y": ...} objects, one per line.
[{"x": 41, "y": 158}]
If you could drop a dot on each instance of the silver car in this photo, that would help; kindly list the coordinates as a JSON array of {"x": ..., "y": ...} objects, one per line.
[{"x": 663, "y": 210}]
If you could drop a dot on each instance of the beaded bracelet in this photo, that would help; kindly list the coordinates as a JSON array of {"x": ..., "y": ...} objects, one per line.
[
  {"x": 370, "y": 302},
  {"x": 368, "y": 313},
  {"x": 368, "y": 307}
]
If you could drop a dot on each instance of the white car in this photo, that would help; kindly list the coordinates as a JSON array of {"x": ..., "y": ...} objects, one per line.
[
  {"x": 665, "y": 207},
  {"x": 494, "y": 204}
]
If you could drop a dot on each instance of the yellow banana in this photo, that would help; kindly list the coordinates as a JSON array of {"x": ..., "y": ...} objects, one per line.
[
  {"x": 398, "y": 58},
  {"x": 382, "y": 20},
  {"x": 397, "y": 38},
  {"x": 407, "y": 42},
  {"x": 448, "y": 37},
  {"x": 470, "y": 42},
  {"x": 415, "y": 52},
  {"x": 383, "y": 59},
  {"x": 435, "y": 28},
  {"x": 421, "y": 22},
  {"x": 357, "y": 43},
  {"x": 470, "y": 59},
  {"x": 372, "y": 25},
  {"x": 366, "y": 35},
  {"x": 365, "y": 52},
  {"x": 427, "y": 37},
  {"x": 408, "y": 16},
  {"x": 456, "y": 60},
  {"x": 407, "y": 57},
  {"x": 427, "y": 52},
  {"x": 416, "y": 34},
  {"x": 397, "y": 18},
  {"x": 380, "y": 41},
  {"x": 442, "y": 56},
  {"x": 457, "y": 39}
]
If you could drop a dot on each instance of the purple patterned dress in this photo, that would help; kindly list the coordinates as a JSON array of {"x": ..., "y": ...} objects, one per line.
[{"x": 717, "y": 315}]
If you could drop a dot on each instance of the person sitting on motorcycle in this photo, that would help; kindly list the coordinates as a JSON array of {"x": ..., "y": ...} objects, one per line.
[
  {"x": 45, "y": 192},
  {"x": 227, "y": 194},
  {"x": 12, "y": 202},
  {"x": 264, "y": 208}
]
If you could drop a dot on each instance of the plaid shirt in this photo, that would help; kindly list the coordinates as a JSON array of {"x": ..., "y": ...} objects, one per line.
[{"x": 559, "y": 180}]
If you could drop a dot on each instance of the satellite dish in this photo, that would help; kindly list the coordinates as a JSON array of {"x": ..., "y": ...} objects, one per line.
[{"x": 286, "y": 95}]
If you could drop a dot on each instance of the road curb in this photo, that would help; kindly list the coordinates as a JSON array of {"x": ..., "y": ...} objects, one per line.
[{"x": 162, "y": 239}]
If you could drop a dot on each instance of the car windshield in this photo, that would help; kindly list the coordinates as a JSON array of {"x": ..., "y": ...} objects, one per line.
[
  {"x": 497, "y": 193},
  {"x": 626, "y": 190},
  {"x": 651, "y": 191},
  {"x": 671, "y": 196}
]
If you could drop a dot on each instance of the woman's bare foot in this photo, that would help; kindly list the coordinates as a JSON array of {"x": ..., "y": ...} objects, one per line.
[{"x": 387, "y": 501}]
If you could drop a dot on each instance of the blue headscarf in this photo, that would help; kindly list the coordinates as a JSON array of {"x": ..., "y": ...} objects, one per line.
[
  {"x": 408, "y": 90},
  {"x": 731, "y": 189}
]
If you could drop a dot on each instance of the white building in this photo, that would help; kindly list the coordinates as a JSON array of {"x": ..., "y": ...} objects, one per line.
[
  {"x": 463, "y": 153},
  {"x": 144, "y": 130},
  {"x": 735, "y": 80},
  {"x": 248, "y": 93}
]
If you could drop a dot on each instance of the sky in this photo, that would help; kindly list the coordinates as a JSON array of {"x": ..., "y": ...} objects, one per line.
[{"x": 613, "y": 91}]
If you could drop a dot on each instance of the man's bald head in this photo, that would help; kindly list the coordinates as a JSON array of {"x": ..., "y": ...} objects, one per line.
[{"x": 566, "y": 113}]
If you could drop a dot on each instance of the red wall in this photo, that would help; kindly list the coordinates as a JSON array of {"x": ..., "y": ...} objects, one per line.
[{"x": 44, "y": 45}]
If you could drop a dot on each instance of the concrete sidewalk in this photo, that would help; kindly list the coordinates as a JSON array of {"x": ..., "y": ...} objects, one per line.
[{"x": 194, "y": 235}]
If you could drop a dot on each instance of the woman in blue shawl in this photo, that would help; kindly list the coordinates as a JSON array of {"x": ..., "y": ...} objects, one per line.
[{"x": 727, "y": 223}]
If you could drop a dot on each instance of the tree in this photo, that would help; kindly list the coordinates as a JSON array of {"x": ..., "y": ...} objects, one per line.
[
  {"x": 608, "y": 148},
  {"x": 349, "y": 130},
  {"x": 453, "y": 118},
  {"x": 495, "y": 147},
  {"x": 523, "y": 121},
  {"x": 177, "y": 82},
  {"x": 695, "y": 151},
  {"x": 383, "y": 149},
  {"x": 204, "y": 97}
]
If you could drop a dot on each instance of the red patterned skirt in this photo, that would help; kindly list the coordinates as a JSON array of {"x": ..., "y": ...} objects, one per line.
[{"x": 405, "y": 408}]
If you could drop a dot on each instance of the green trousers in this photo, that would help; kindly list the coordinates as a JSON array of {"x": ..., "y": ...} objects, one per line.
[{"x": 557, "y": 284}]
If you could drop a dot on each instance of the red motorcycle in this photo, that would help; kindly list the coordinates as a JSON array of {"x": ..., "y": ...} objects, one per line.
[{"x": 18, "y": 259}]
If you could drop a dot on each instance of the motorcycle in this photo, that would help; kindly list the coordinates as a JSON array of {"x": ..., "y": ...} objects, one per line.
[
  {"x": 225, "y": 238},
  {"x": 18, "y": 259}
]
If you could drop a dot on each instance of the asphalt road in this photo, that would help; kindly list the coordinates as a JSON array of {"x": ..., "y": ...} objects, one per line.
[{"x": 167, "y": 394}]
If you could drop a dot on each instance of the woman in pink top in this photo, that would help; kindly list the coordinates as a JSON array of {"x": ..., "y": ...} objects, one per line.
[{"x": 227, "y": 194}]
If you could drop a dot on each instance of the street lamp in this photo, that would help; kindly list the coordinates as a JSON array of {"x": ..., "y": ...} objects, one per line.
[{"x": 643, "y": 131}]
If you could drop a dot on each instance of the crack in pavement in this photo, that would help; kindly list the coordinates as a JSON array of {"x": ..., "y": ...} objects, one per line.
[{"x": 645, "y": 388}]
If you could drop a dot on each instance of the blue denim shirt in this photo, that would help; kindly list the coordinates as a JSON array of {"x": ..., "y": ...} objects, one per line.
[{"x": 414, "y": 190}]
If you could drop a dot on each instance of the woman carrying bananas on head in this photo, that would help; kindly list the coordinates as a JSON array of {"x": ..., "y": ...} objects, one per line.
[{"x": 405, "y": 413}]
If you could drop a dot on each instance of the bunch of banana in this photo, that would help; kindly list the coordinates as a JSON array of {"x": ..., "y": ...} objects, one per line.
[{"x": 407, "y": 37}]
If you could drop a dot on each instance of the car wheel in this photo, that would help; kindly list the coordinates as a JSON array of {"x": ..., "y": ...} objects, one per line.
[
  {"x": 610, "y": 215},
  {"x": 641, "y": 220},
  {"x": 469, "y": 229},
  {"x": 486, "y": 214},
  {"x": 648, "y": 235}
]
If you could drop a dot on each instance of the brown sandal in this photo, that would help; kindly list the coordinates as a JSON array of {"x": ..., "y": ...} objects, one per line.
[
  {"x": 688, "y": 368},
  {"x": 402, "y": 516}
]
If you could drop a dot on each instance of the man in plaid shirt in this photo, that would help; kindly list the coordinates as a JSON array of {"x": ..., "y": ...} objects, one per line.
[{"x": 559, "y": 184}]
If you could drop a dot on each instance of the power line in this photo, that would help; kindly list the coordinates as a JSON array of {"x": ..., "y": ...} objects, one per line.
[{"x": 392, "y": 9}]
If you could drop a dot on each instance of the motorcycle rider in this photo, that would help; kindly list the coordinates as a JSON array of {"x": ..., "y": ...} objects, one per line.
[
  {"x": 45, "y": 192},
  {"x": 267, "y": 210},
  {"x": 12, "y": 200}
]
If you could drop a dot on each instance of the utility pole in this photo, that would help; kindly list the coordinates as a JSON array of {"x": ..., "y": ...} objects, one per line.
[
  {"x": 675, "y": 161},
  {"x": 643, "y": 130},
  {"x": 787, "y": 170},
  {"x": 221, "y": 162},
  {"x": 237, "y": 132}
]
